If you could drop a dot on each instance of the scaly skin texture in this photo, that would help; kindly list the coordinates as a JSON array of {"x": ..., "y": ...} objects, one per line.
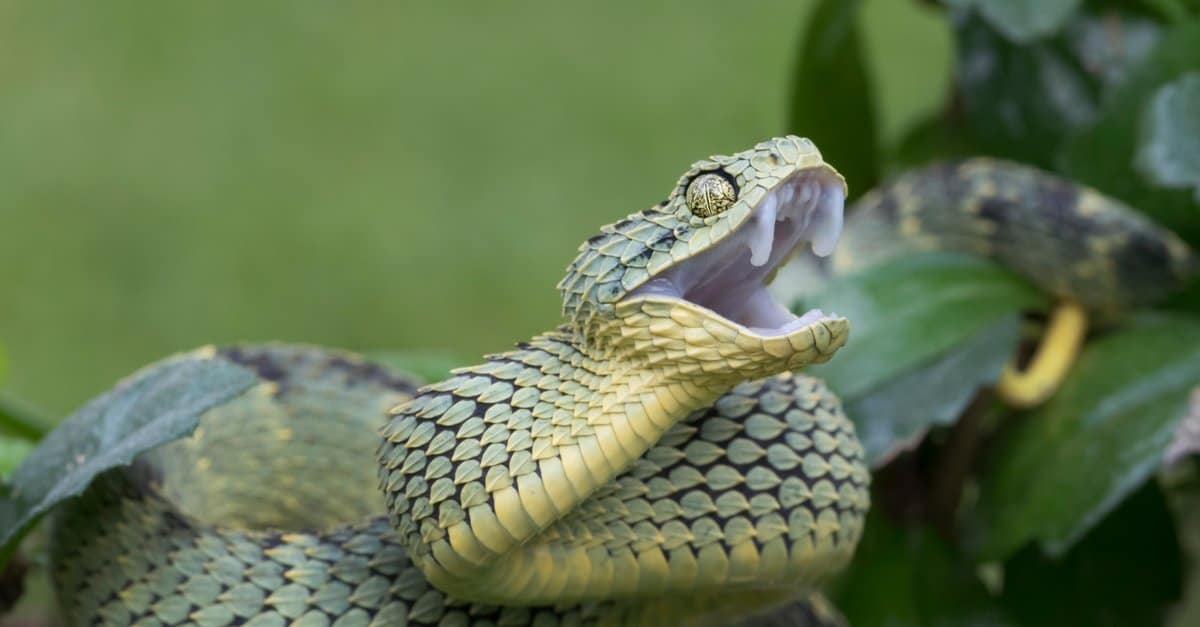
[
  {"x": 645, "y": 463},
  {"x": 134, "y": 551},
  {"x": 490, "y": 472},
  {"x": 640, "y": 465}
]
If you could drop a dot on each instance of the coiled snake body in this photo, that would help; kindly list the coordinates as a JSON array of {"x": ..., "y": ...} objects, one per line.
[{"x": 651, "y": 461}]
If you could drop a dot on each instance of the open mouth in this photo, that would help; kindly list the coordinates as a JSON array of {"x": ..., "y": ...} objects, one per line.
[{"x": 729, "y": 278}]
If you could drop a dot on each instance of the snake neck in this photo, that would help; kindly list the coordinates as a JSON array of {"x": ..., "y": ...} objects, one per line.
[
  {"x": 638, "y": 369},
  {"x": 478, "y": 464},
  {"x": 618, "y": 380}
]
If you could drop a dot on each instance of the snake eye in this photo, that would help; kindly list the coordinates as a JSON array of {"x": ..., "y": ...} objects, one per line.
[{"x": 710, "y": 194}]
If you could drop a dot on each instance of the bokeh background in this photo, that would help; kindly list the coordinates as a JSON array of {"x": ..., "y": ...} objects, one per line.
[
  {"x": 398, "y": 176},
  {"x": 372, "y": 176}
]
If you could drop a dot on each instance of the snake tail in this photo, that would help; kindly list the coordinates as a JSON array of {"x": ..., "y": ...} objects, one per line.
[
  {"x": 1068, "y": 239},
  {"x": 1051, "y": 361}
]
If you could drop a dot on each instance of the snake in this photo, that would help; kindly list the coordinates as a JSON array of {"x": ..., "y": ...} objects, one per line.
[{"x": 655, "y": 459}]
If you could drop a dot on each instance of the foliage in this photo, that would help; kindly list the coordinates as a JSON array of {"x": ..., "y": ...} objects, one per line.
[
  {"x": 917, "y": 322},
  {"x": 832, "y": 69},
  {"x": 1169, "y": 154},
  {"x": 150, "y": 408},
  {"x": 1064, "y": 466},
  {"x": 1105, "y": 152},
  {"x": 985, "y": 515}
]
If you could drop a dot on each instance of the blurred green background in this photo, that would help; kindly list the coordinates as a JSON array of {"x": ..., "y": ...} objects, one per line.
[
  {"x": 370, "y": 176},
  {"x": 391, "y": 177}
]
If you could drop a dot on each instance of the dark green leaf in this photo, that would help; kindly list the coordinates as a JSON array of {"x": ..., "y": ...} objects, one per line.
[
  {"x": 1169, "y": 151},
  {"x": 428, "y": 365},
  {"x": 1173, "y": 10},
  {"x": 833, "y": 100},
  {"x": 1023, "y": 21},
  {"x": 1073, "y": 460},
  {"x": 909, "y": 577},
  {"x": 1020, "y": 101},
  {"x": 934, "y": 139},
  {"x": 1103, "y": 154},
  {"x": 154, "y": 406},
  {"x": 1186, "y": 300},
  {"x": 911, "y": 310},
  {"x": 896, "y": 415},
  {"x": 1181, "y": 482},
  {"x": 1125, "y": 571}
]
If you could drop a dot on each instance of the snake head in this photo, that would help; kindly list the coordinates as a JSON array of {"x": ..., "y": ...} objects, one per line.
[{"x": 688, "y": 276}]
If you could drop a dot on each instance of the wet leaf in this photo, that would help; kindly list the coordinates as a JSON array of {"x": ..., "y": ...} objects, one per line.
[
  {"x": 896, "y": 415},
  {"x": 912, "y": 309},
  {"x": 1070, "y": 462},
  {"x": 833, "y": 99},
  {"x": 154, "y": 406},
  {"x": 1169, "y": 149},
  {"x": 1023, "y": 21}
]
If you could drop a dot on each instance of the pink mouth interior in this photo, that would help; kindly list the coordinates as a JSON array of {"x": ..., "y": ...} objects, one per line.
[{"x": 729, "y": 277}]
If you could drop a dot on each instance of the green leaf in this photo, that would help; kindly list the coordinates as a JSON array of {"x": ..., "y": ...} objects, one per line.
[
  {"x": 912, "y": 309},
  {"x": 12, "y": 452},
  {"x": 428, "y": 365},
  {"x": 833, "y": 100},
  {"x": 1070, "y": 462},
  {"x": 1169, "y": 151},
  {"x": 1023, "y": 21},
  {"x": 19, "y": 419},
  {"x": 1173, "y": 10},
  {"x": 909, "y": 577},
  {"x": 1103, "y": 153},
  {"x": 1128, "y": 570},
  {"x": 154, "y": 406},
  {"x": 895, "y": 416}
]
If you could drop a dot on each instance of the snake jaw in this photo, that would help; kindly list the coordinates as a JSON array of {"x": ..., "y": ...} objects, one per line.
[{"x": 724, "y": 286}]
